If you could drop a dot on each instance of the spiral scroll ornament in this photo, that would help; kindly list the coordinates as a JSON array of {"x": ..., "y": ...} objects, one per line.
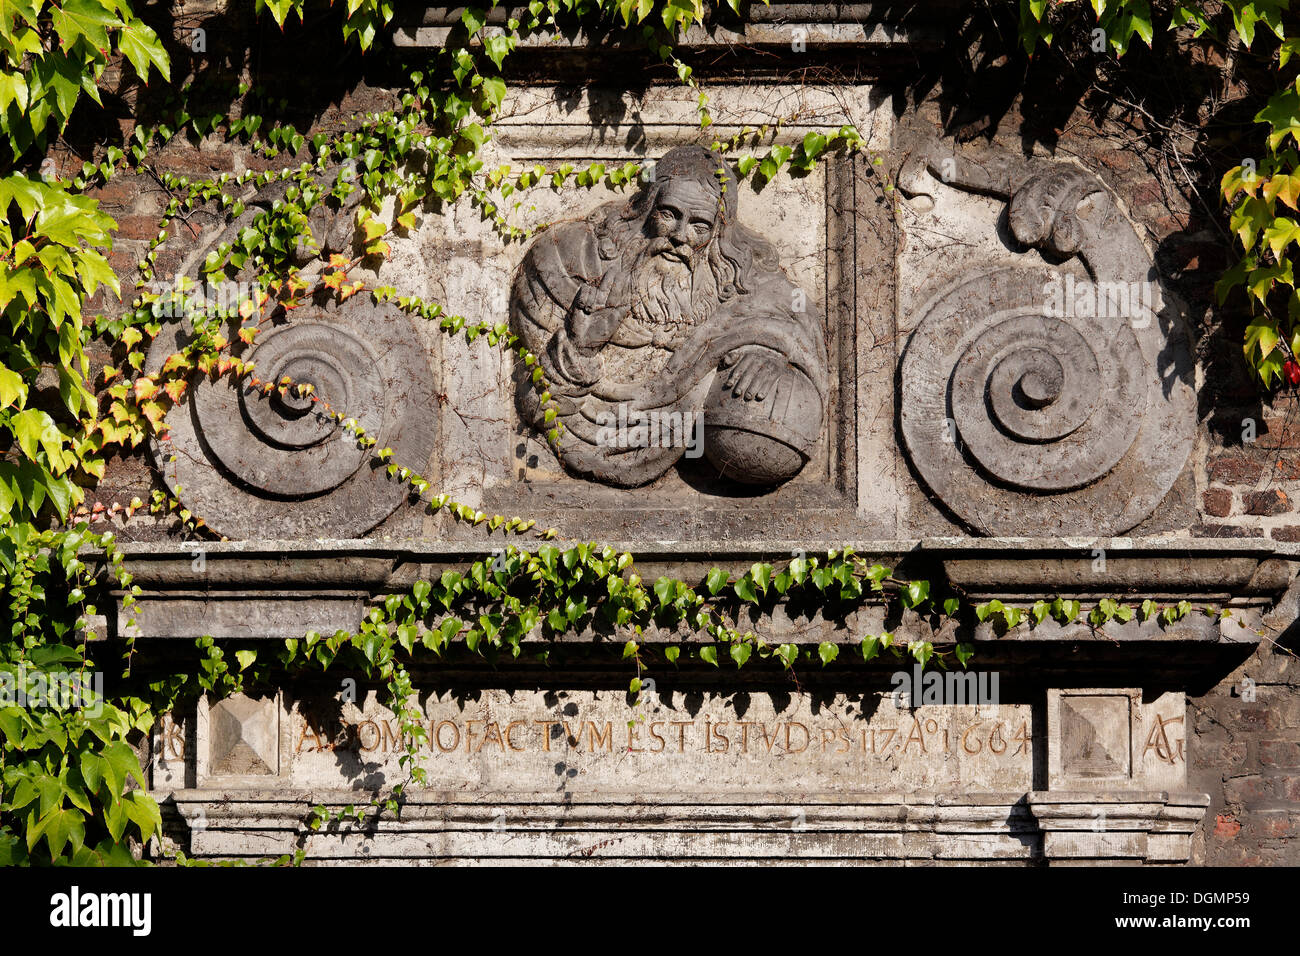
[
  {"x": 1039, "y": 400},
  {"x": 278, "y": 466},
  {"x": 1027, "y": 422}
]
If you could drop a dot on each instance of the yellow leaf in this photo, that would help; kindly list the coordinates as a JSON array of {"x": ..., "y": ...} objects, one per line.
[
  {"x": 154, "y": 412},
  {"x": 144, "y": 388},
  {"x": 1285, "y": 188},
  {"x": 174, "y": 361}
]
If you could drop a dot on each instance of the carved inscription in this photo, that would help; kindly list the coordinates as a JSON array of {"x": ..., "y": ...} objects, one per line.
[
  {"x": 705, "y": 735},
  {"x": 1165, "y": 741},
  {"x": 529, "y": 740}
]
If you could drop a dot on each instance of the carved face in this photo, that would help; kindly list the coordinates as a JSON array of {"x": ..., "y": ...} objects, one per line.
[{"x": 683, "y": 220}]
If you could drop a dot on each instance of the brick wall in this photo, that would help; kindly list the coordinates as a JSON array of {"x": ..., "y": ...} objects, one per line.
[
  {"x": 1252, "y": 484},
  {"x": 1246, "y": 755}
]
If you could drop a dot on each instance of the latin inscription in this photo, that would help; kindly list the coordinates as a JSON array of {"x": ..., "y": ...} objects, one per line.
[
  {"x": 913, "y": 735},
  {"x": 679, "y": 741}
]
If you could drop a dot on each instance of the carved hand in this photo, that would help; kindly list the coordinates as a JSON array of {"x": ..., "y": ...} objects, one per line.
[
  {"x": 591, "y": 323},
  {"x": 752, "y": 374}
]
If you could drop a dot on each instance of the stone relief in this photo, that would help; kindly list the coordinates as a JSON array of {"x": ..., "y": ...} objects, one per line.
[
  {"x": 275, "y": 466},
  {"x": 1046, "y": 394},
  {"x": 1036, "y": 399},
  {"x": 666, "y": 328}
]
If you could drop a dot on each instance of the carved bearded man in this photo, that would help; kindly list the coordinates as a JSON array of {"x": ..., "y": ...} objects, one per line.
[{"x": 666, "y": 312}]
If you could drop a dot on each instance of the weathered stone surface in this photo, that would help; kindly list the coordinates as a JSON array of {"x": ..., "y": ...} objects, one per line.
[
  {"x": 1034, "y": 399},
  {"x": 581, "y": 775},
  {"x": 593, "y": 741},
  {"x": 1116, "y": 738},
  {"x": 239, "y": 737},
  {"x": 1070, "y": 427},
  {"x": 660, "y": 827},
  {"x": 665, "y": 328},
  {"x": 260, "y": 465}
]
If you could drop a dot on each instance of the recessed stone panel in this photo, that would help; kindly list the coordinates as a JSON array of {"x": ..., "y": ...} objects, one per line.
[
  {"x": 1116, "y": 738},
  {"x": 238, "y": 739}
]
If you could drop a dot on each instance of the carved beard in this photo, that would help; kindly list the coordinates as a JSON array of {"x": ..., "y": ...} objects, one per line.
[{"x": 669, "y": 296}]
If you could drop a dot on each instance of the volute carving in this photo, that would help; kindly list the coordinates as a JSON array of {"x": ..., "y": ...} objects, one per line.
[{"x": 1035, "y": 400}]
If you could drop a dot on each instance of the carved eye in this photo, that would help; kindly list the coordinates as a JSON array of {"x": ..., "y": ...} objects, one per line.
[
  {"x": 667, "y": 215},
  {"x": 703, "y": 228}
]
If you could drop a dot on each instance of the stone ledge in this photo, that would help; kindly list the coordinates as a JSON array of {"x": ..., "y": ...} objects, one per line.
[
  {"x": 1032, "y": 828},
  {"x": 857, "y": 36},
  {"x": 286, "y": 588},
  {"x": 859, "y": 26}
]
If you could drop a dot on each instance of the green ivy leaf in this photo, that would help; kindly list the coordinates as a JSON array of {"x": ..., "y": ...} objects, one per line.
[
  {"x": 740, "y": 652},
  {"x": 141, "y": 46},
  {"x": 666, "y": 590},
  {"x": 744, "y": 589}
]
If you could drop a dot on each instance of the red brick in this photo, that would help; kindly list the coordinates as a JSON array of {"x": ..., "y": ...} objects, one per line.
[
  {"x": 1147, "y": 193},
  {"x": 1249, "y": 717},
  {"x": 1289, "y": 533},
  {"x": 1277, "y": 826},
  {"x": 118, "y": 191},
  {"x": 1223, "y": 757},
  {"x": 1289, "y": 787},
  {"x": 123, "y": 260},
  {"x": 1271, "y": 502},
  {"x": 138, "y": 227},
  {"x": 192, "y": 162},
  {"x": 1248, "y": 791},
  {"x": 1279, "y": 433},
  {"x": 1235, "y": 469},
  {"x": 1120, "y": 159},
  {"x": 1218, "y": 502},
  {"x": 1226, "y": 827},
  {"x": 1225, "y": 531},
  {"x": 1279, "y": 753}
]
